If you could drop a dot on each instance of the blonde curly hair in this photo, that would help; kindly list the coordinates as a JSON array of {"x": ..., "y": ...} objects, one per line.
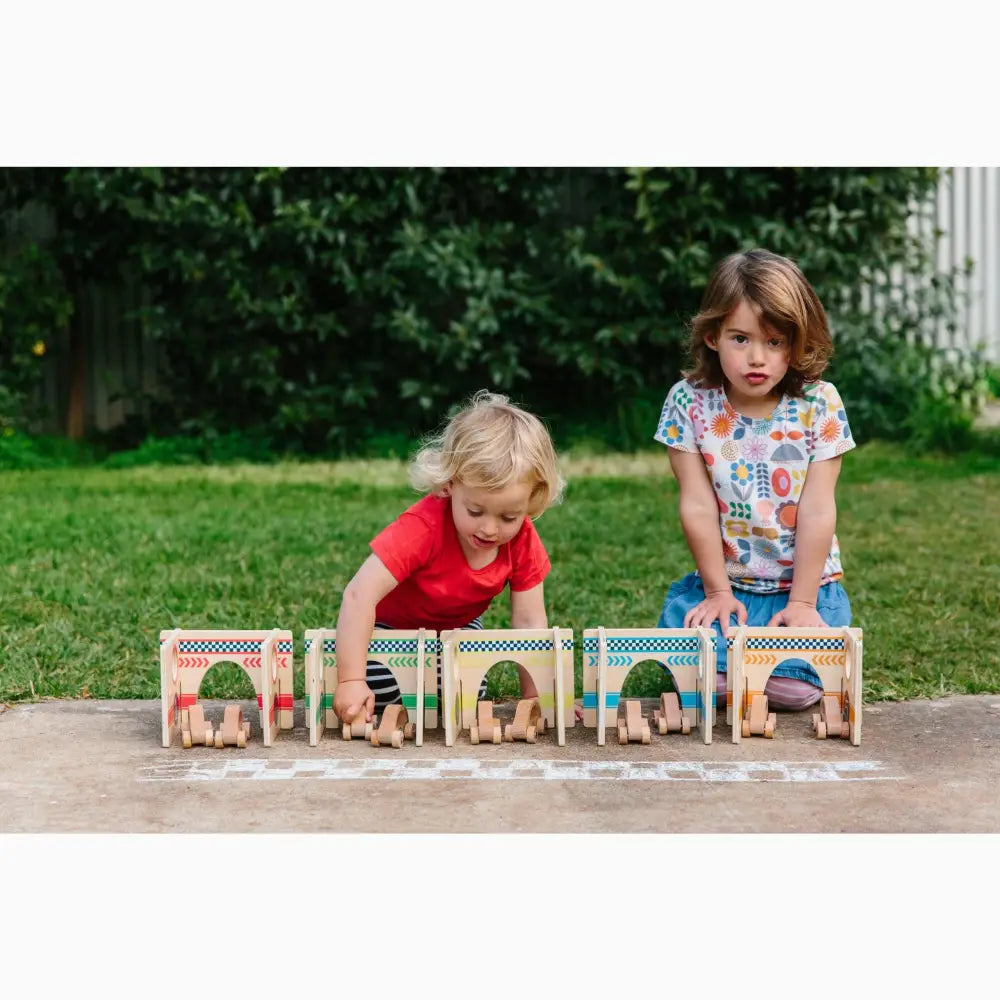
[{"x": 491, "y": 444}]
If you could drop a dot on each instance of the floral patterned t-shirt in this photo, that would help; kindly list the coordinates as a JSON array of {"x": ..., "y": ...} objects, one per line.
[{"x": 758, "y": 468}]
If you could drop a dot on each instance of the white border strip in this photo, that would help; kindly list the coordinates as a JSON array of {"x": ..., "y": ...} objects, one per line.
[{"x": 478, "y": 769}]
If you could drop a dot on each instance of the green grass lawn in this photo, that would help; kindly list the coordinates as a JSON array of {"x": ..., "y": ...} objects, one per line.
[{"x": 95, "y": 562}]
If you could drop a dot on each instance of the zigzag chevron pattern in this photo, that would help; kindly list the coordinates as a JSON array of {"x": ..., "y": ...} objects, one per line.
[{"x": 615, "y": 660}]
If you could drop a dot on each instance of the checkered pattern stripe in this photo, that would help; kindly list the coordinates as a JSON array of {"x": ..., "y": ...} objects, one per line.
[
  {"x": 431, "y": 646},
  {"x": 797, "y": 644},
  {"x": 393, "y": 646},
  {"x": 220, "y": 646},
  {"x": 284, "y": 645},
  {"x": 510, "y": 645},
  {"x": 643, "y": 644}
]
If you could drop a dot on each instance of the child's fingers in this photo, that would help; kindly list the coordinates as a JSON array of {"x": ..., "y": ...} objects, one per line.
[
  {"x": 355, "y": 710},
  {"x": 776, "y": 620}
]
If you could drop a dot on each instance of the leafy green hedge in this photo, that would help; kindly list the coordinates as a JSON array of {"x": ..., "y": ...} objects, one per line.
[{"x": 344, "y": 310}]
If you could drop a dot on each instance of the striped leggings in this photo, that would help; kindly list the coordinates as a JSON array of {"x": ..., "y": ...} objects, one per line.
[
  {"x": 785, "y": 693},
  {"x": 383, "y": 684}
]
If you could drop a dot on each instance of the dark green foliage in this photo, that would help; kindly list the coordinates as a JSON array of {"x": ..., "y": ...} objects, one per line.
[{"x": 345, "y": 310}]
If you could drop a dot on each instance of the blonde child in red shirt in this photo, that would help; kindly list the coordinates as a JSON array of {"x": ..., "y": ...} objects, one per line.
[{"x": 487, "y": 476}]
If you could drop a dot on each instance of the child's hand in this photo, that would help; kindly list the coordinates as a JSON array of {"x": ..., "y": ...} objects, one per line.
[
  {"x": 797, "y": 614},
  {"x": 352, "y": 698},
  {"x": 719, "y": 606}
]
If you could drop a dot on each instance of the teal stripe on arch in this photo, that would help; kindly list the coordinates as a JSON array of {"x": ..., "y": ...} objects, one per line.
[{"x": 590, "y": 699}]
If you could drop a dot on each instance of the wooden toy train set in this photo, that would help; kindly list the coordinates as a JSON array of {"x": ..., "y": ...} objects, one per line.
[{"x": 466, "y": 655}]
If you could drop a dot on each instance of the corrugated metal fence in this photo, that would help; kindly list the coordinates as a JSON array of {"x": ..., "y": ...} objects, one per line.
[
  {"x": 968, "y": 221},
  {"x": 963, "y": 220}
]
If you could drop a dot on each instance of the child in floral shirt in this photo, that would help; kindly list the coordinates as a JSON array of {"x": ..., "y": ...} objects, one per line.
[{"x": 755, "y": 440}]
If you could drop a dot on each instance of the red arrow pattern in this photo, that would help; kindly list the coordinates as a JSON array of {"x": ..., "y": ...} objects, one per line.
[
  {"x": 252, "y": 662},
  {"x": 199, "y": 662}
]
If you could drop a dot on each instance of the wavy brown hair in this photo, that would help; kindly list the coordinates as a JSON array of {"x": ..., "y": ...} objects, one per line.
[{"x": 786, "y": 303}]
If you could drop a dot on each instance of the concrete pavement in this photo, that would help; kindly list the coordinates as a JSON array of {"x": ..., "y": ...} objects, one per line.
[{"x": 97, "y": 766}]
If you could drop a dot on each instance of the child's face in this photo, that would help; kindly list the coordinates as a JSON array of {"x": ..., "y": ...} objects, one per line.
[
  {"x": 485, "y": 519},
  {"x": 754, "y": 358}
]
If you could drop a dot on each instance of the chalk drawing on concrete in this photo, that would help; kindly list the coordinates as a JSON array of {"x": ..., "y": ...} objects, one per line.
[{"x": 476, "y": 769}]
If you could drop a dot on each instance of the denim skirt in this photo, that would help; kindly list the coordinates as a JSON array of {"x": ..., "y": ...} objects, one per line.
[{"x": 831, "y": 603}]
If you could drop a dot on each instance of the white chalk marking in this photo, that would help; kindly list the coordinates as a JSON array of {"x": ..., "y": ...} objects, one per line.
[{"x": 477, "y": 769}]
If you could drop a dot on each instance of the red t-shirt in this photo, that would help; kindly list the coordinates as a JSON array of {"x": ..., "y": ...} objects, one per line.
[{"x": 438, "y": 589}]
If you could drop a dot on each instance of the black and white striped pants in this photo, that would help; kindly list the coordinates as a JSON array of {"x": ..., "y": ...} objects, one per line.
[{"x": 383, "y": 684}]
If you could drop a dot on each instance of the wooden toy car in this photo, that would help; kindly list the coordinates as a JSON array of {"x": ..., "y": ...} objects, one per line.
[
  {"x": 198, "y": 730},
  {"x": 758, "y": 721},
  {"x": 633, "y": 727},
  {"x": 486, "y": 726},
  {"x": 394, "y": 728},
  {"x": 668, "y": 718},
  {"x": 528, "y": 722},
  {"x": 234, "y": 731},
  {"x": 829, "y": 720},
  {"x": 359, "y": 729}
]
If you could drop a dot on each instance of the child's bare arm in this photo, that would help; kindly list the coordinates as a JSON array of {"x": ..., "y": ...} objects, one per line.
[
  {"x": 699, "y": 511},
  {"x": 527, "y": 610},
  {"x": 815, "y": 522},
  {"x": 354, "y": 628}
]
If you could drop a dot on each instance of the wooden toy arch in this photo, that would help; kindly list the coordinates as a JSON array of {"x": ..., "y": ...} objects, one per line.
[
  {"x": 610, "y": 654},
  {"x": 187, "y": 655},
  {"x": 468, "y": 654},
  {"x": 834, "y": 653},
  {"x": 399, "y": 650}
]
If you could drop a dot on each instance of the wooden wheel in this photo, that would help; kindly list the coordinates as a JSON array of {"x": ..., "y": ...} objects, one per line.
[
  {"x": 497, "y": 736},
  {"x": 410, "y": 731},
  {"x": 529, "y": 734},
  {"x": 622, "y": 735},
  {"x": 645, "y": 734},
  {"x": 845, "y": 730},
  {"x": 218, "y": 738},
  {"x": 186, "y": 739},
  {"x": 820, "y": 729},
  {"x": 397, "y": 739},
  {"x": 661, "y": 724},
  {"x": 474, "y": 735},
  {"x": 241, "y": 739},
  {"x": 746, "y": 727},
  {"x": 686, "y": 726}
]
